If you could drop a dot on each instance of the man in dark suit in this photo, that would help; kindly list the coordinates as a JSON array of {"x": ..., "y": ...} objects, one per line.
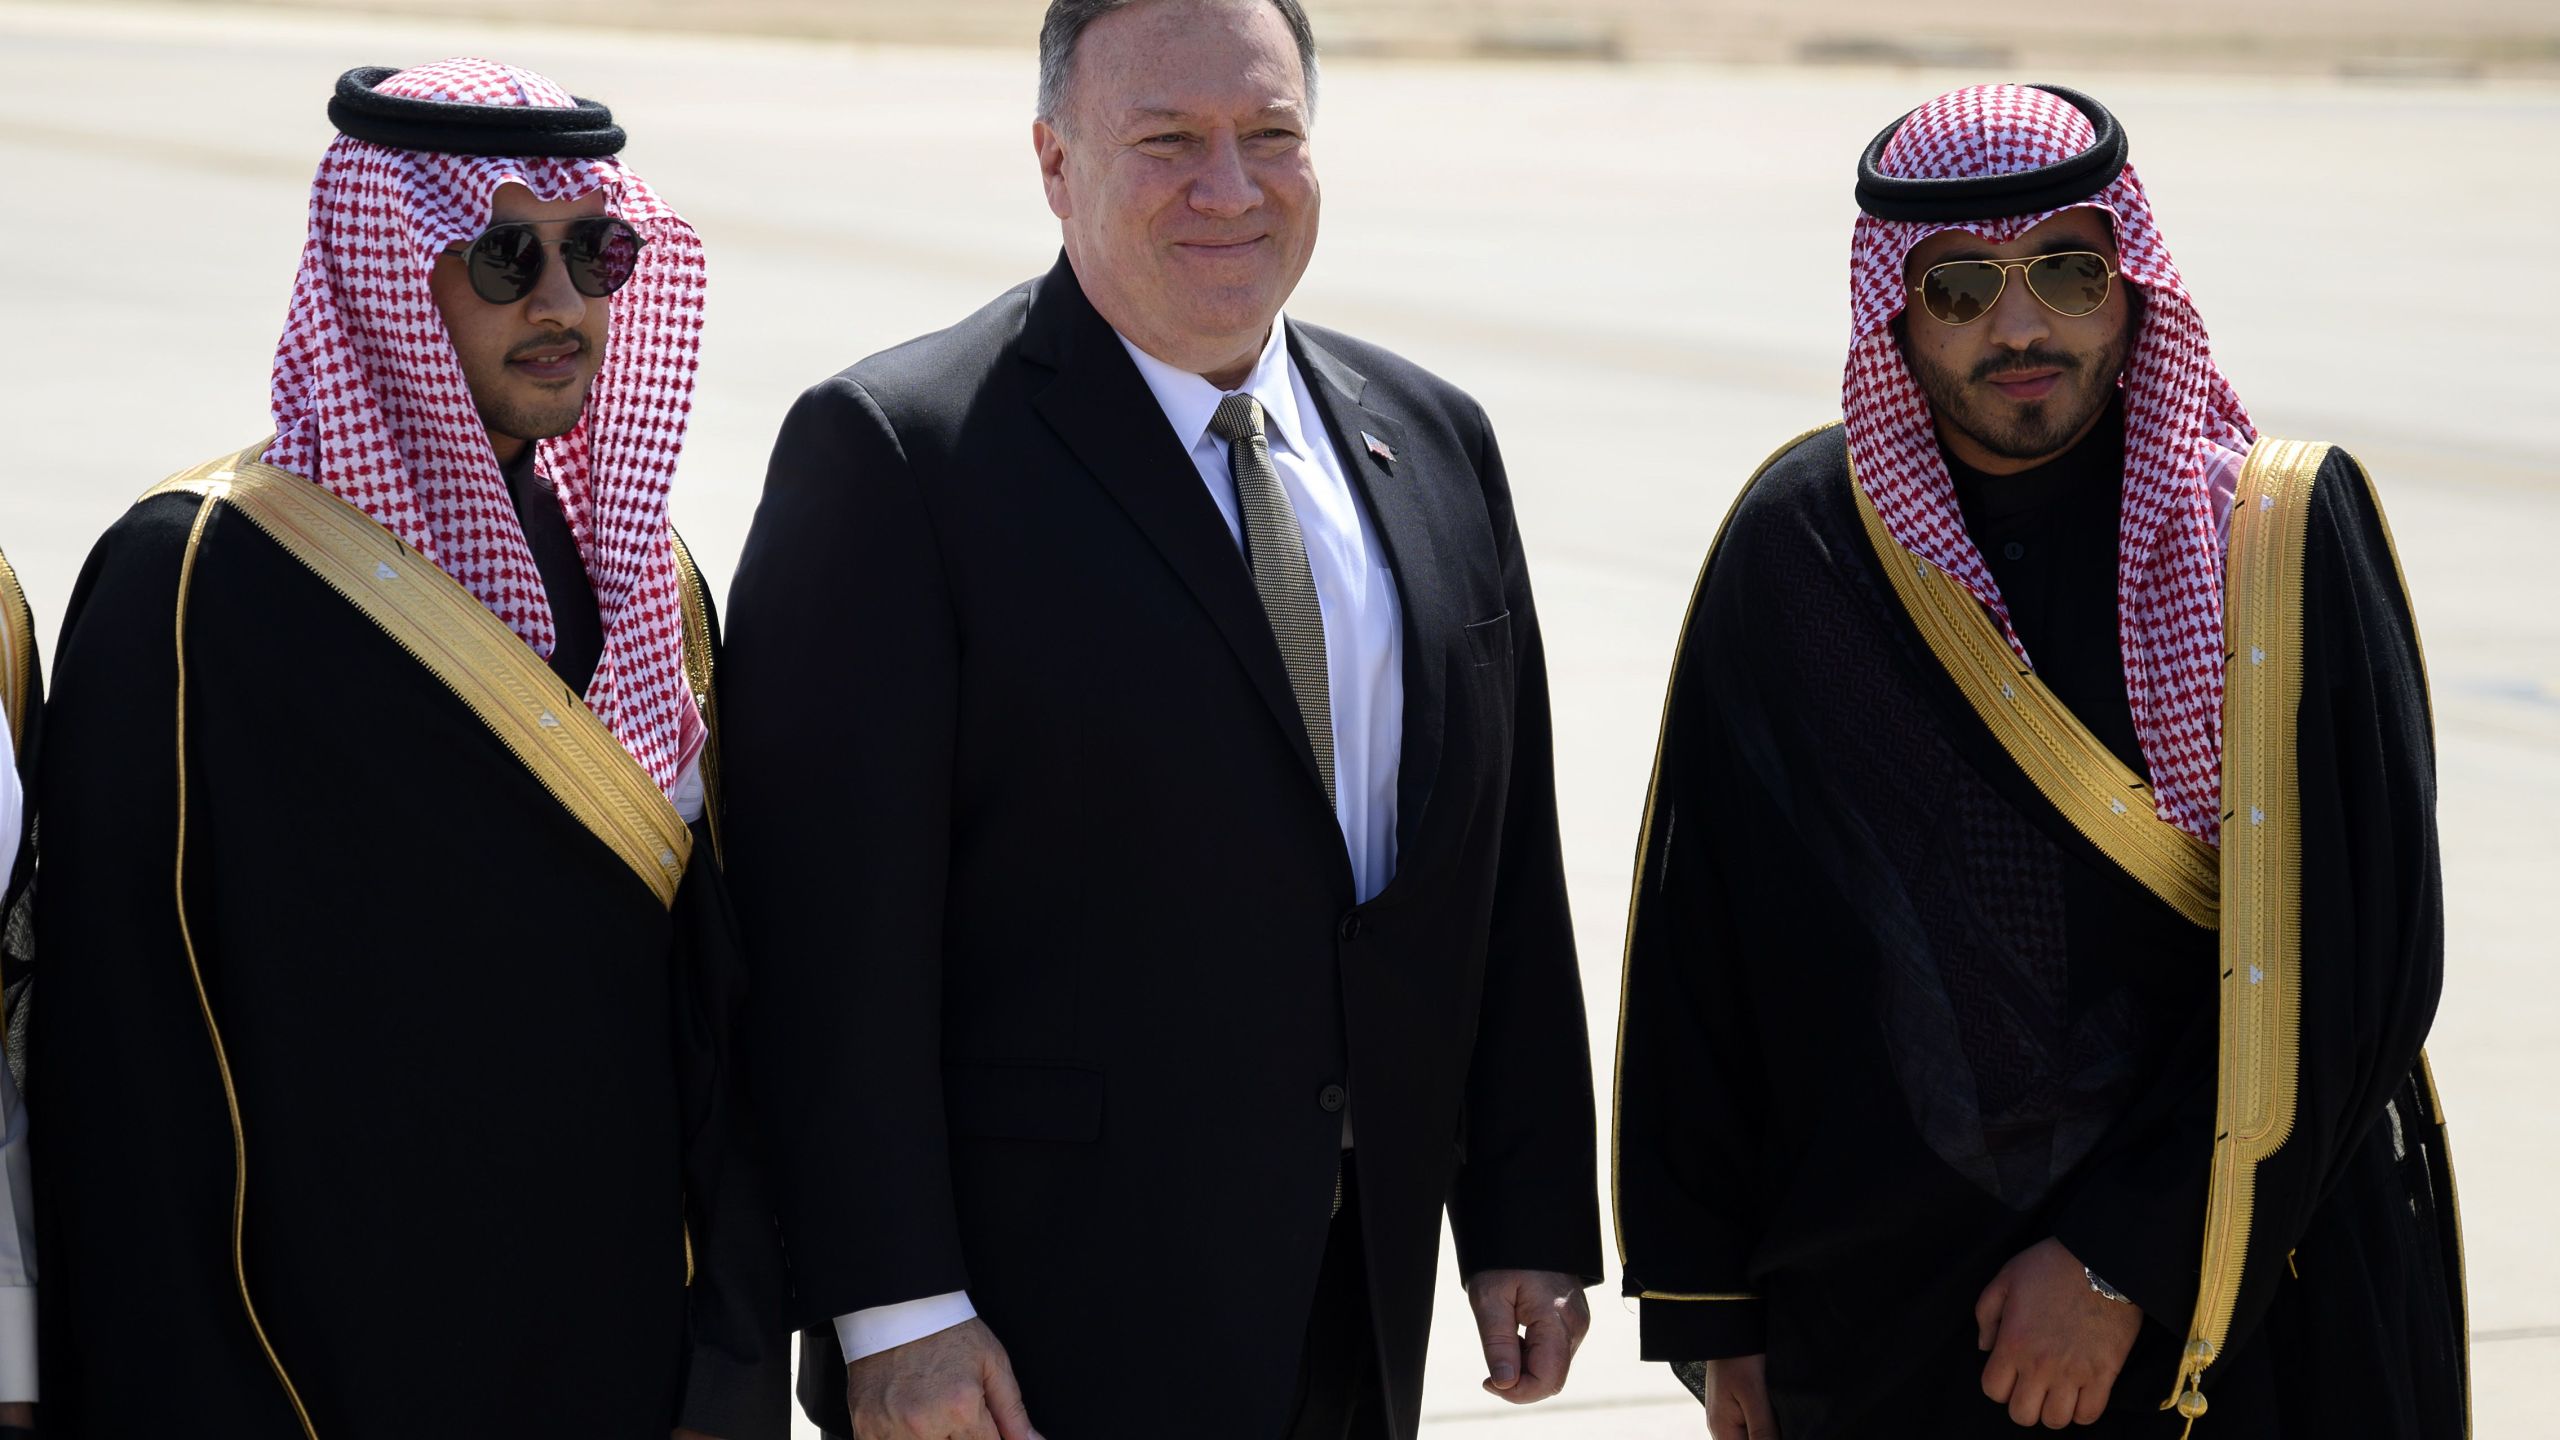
[{"x": 1143, "y": 813}]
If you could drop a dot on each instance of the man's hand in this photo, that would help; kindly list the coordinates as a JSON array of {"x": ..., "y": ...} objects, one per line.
[
  {"x": 1546, "y": 1305},
  {"x": 955, "y": 1384},
  {"x": 2056, "y": 1345},
  {"x": 1738, "y": 1399}
]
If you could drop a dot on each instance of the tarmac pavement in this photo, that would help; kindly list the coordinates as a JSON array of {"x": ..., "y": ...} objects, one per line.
[{"x": 1639, "y": 269}]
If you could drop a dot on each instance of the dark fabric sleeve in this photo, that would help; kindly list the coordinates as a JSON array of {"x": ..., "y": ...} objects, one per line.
[
  {"x": 2372, "y": 938},
  {"x": 133, "y": 1185},
  {"x": 1691, "y": 1104},
  {"x": 839, "y": 705},
  {"x": 2136, "y": 1217},
  {"x": 1526, "y": 1193},
  {"x": 738, "y": 1367}
]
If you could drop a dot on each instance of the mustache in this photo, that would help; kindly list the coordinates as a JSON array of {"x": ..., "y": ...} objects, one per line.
[
  {"x": 2035, "y": 359},
  {"x": 552, "y": 341}
]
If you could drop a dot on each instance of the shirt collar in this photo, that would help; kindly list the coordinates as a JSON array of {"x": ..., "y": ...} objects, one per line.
[{"x": 1190, "y": 401}]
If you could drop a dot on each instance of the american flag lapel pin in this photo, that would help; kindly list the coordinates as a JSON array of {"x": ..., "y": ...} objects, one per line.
[{"x": 1379, "y": 447}]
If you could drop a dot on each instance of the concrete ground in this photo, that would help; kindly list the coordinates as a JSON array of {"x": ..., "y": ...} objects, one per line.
[{"x": 1638, "y": 269}]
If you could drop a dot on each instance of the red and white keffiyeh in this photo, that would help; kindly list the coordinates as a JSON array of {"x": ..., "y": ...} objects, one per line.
[
  {"x": 2184, "y": 431},
  {"x": 370, "y": 401}
]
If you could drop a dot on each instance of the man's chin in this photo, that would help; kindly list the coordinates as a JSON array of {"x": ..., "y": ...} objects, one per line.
[
  {"x": 529, "y": 428},
  {"x": 2026, "y": 432},
  {"x": 2025, "y": 442},
  {"x": 544, "y": 415},
  {"x": 1232, "y": 311}
]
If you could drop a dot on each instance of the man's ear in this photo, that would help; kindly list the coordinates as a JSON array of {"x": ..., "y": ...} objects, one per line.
[{"x": 1049, "y": 143}]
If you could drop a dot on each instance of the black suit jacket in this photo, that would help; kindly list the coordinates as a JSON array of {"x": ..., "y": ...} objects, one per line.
[{"x": 1057, "y": 965}]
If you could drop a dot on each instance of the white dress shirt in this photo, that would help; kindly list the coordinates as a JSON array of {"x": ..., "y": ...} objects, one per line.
[
  {"x": 1364, "y": 664},
  {"x": 17, "y": 1219}
]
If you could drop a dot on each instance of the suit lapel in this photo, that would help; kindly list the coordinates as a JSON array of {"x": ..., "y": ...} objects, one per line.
[
  {"x": 1393, "y": 487},
  {"x": 1101, "y": 407}
]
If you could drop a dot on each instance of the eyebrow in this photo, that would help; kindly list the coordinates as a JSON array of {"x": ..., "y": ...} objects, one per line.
[{"x": 1171, "y": 113}]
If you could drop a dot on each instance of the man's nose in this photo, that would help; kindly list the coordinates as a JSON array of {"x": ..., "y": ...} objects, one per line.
[
  {"x": 555, "y": 299},
  {"x": 1224, "y": 185},
  {"x": 2018, "y": 320}
]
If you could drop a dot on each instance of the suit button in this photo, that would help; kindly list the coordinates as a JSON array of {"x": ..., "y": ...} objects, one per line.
[
  {"x": 1333, "y": 1098},
  {"x": 1351, "y": 927}
]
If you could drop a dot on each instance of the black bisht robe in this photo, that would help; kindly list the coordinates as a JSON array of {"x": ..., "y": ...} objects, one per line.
[
  {"x": 1890, "y": 1019},
  {"x": 486, "y": 1112}
]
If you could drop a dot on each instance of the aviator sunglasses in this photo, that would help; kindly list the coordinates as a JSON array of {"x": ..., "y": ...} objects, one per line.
[
  {"x": 2071, "y": 282},
  {"x": 505, "y": 261}
]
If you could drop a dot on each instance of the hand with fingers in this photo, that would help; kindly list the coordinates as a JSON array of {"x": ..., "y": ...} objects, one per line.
[
  {"x": 1738, "y": 1399},
  {"x": 2056, "y": 1344},
  {"x": 1541, "y": 1307},
  {"x": 956, "y": 1384}
]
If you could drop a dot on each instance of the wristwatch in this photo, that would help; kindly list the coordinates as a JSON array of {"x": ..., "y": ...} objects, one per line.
[{"x": 2101, "y": 1286}]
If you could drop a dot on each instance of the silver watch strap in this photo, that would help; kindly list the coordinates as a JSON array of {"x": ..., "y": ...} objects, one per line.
[{"x": 2105, "y": 1289}]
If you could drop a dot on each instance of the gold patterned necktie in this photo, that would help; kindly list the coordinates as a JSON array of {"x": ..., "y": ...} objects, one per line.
[{"x": 1276, "y": 551}]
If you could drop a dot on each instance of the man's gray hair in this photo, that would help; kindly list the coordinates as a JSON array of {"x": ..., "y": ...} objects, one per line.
[{"x": 1064, "y": 26}]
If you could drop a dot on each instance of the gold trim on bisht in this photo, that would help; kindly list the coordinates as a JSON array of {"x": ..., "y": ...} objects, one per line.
[
  {"x": 1644, "y": 845},
  {"x": 2453, "y": 1199},
  {"x": 2096, "y": 792},
  {"x": 204, "y": 1001},
  {"x": 447, "y": 630},
  {"x": 17, "y": 656},
  {"x": 693, "y": 594},
  {"x": 2261, "y": 986}
]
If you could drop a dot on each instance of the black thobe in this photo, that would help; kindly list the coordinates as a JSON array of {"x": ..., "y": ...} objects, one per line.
[
  {"x": 483, "y": 1114},
  {"x": 1890, "y": 1019}
]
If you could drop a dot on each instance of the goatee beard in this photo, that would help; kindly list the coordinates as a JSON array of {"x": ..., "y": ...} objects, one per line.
[{"x": 2037, "y": 431}]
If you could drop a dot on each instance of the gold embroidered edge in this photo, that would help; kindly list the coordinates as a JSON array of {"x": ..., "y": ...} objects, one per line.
[
  {"x": 2461, "y": 1256},
  {"x": 2093, "y": 790},
  {"x": 1644, "y": 835},
  {"x": 461, "y": 642},
  {"x": 204, "y": 1000},
  {"x": 17, "y": 655},
  {"x": 2259, "y": 1051},
  {"x": 693, "y": 595}
]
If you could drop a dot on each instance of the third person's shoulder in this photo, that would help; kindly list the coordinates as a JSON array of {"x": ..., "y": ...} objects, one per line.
[
  {"x": 1805, "y": 478},
  {"x": 2350, "y": 551}
]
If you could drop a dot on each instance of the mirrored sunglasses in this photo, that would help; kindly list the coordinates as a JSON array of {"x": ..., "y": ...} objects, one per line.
[
  {"x": 2071, "y": 282},
  {"x": 505, "y": 261}
]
